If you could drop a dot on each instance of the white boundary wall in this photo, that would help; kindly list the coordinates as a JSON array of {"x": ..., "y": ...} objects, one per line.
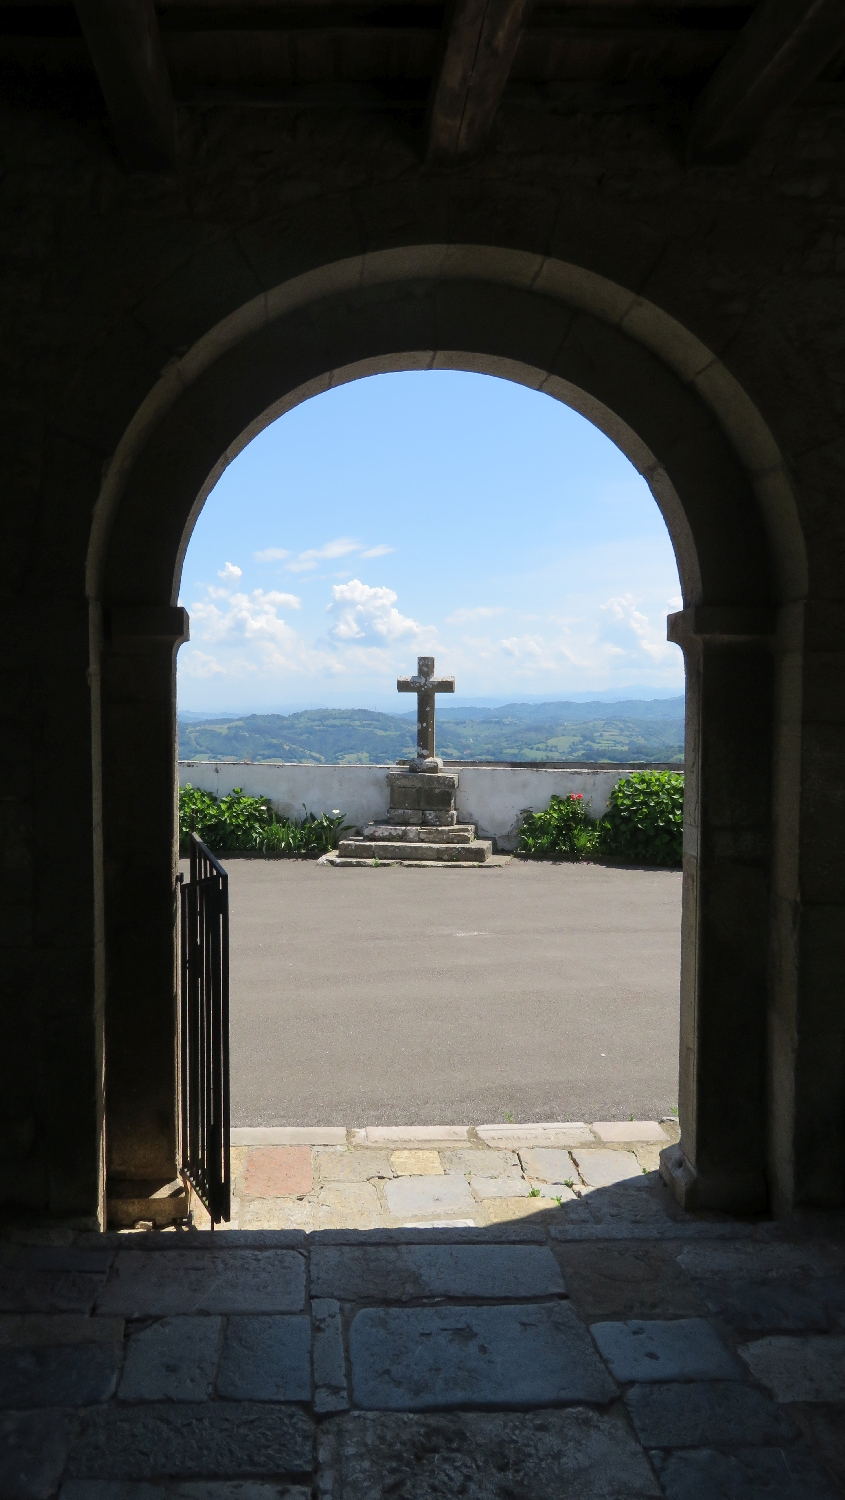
[{"x": 492, "y": 797}]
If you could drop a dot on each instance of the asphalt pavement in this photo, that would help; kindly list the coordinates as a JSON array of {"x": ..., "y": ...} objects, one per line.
[{"x": 423, "y": 997}]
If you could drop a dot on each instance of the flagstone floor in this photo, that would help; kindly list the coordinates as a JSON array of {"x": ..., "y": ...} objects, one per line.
[
  {"x": 591, "y": 1342},
  {"x": 387, "y": 1177}
]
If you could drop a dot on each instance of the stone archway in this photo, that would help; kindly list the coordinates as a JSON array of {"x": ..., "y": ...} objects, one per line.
[{"x": 718, "y": 478}]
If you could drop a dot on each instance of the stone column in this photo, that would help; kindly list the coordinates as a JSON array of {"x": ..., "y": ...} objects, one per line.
[
  {"x": 138, "y": 716},
  {"x": 722, "y": 1157}
]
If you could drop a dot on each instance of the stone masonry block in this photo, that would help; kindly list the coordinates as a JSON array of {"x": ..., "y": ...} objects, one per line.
[
  {"x": 424, "y": 1357},
  {"x": 397, "y": 1273},
  {"x": 575, "y": 1454},
  {"x": 215, "y": 1439},
  {"x": 70, "y": 1375},
  {"x": 330, "y": 1392},
  {"x": 150, "y": 1284},
  {"x": 25, "y": 1289},
  {"x": 404, "y": 815},
  {"x": 266, "y": 1359},
  {"x": 278, "y": 1172},
  {"x": 174, "y": 1360},
  {"x": 707, "y": 1414},
  {"x": 680, "y": 1349}
]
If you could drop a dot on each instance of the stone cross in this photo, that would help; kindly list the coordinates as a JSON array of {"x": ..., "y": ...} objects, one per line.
[{"x": 425, "y": 685}]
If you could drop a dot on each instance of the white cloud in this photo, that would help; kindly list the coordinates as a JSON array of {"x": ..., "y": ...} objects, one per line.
[
  {"x": 624, "y": 620},
  {"x": 380, "y": 551},
  {"x": 271, "y": 554},
  {"x": 230, "y": 573},
  {"x": 364, "y": 612},
  {"x": 199, "y": 663},
  {"x": 483, "y": 612},
  {"x": 340, "y": 547}
]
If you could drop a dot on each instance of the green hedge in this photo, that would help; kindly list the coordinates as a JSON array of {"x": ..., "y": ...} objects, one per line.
[
  {"x": 644, "y": 823},
  {"x": 240, "y": 822}
]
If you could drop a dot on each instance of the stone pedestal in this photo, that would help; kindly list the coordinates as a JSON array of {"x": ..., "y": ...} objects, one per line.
[{"x": 421, "y": 823}]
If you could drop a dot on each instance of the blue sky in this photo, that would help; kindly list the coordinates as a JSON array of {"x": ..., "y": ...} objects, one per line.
[{"x": 430, "y": 512}]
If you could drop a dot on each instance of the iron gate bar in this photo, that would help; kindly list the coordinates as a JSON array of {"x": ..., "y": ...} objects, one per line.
[{"x": 204, "y": 1032}]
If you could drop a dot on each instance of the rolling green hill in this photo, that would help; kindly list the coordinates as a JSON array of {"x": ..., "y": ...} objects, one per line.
[{"x": 631, "y": 731}]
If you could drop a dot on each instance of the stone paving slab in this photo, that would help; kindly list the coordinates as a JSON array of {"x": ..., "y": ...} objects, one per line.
[
  {"x": 641, "y": 1280},
  {"x": 67, "y": 1375},
  {"x": 353, "y": 1205},
  {"x": 216, "y": 1440},
  {"x": 414, "y": 1359},
  {"x": 549, "y": 1165},
  {"x": 203, "y": 1489},
  {"x": 34, "y": 1447},
  {"x": 707, "y": 1414},
  {"x": 753, "y": 1474},
  {"x": 555, "y": 1134},
  {"x": 32, "y": 1329},
  {"x": 278, "y": 1171},
  {"x": 629, "y": 1130},
  {"x": 665, "y": 1349},
  {"x": 767, "y": 1306},
  {"x": 175, "y": 1359},
  {"x": 30, "y": 1289},
  {"x": 418, "y": 1197},
  {"x": 288, "y": 1135},
  {"x": 203, "y": 1281},
  {"x": 808, "y": 1368},
  {"x": 416, "y": 1163},
  {"x": 500, "y": 1187},
  {"x": 382, "y": 1134},
  {"x": 575, "y": 1454},
  {"x": 352, "y": 1166},
  {"x": 329, "y": 1361},
  {"x": 407, "y": 1272},
  {"x": 603, "y": 1168},
  {"x": 266, "y": 1359}
]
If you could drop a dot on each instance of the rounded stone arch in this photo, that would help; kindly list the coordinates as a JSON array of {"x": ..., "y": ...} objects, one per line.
[{"x": 721, "y": 484}]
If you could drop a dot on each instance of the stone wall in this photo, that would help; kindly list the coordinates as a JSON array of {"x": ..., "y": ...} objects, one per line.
[{"x": 492, "y": 797}]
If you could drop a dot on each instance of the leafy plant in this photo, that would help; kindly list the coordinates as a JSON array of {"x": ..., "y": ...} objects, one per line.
[
  {"x": 240, "y": 822},
  {"x": 564, "y": 828},
  {"x": 645, "y": 818}
]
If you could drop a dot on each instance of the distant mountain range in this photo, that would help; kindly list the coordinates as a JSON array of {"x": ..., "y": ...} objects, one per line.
[{"x": 636, "y": 730}]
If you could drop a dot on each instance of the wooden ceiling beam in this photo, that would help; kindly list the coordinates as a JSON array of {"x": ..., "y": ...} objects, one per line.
[
  {"x": 480, "y": 39},
  {"x": 779, "y": 52},
  {"x": 125, "y": 45}
]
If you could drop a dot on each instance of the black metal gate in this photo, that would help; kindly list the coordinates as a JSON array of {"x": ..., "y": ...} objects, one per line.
[{"x": 204, "y": 1032}]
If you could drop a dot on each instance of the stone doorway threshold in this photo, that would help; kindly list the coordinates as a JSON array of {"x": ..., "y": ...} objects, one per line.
[{"x": 393, "y": 1177}]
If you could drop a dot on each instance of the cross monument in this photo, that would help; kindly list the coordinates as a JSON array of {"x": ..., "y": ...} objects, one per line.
[{"x": 425, "y": 685}]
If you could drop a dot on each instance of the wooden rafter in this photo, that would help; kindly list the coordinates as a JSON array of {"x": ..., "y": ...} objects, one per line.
[
  {"x": 480, "y": 42},
  {"x": 781, "y": 50},
  {"x": 125, "y": 45}
]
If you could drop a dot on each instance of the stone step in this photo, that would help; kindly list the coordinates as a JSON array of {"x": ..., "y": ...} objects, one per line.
[
  {"x": 455, "y": 833},
  {"x": 478, "y": 851}
]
